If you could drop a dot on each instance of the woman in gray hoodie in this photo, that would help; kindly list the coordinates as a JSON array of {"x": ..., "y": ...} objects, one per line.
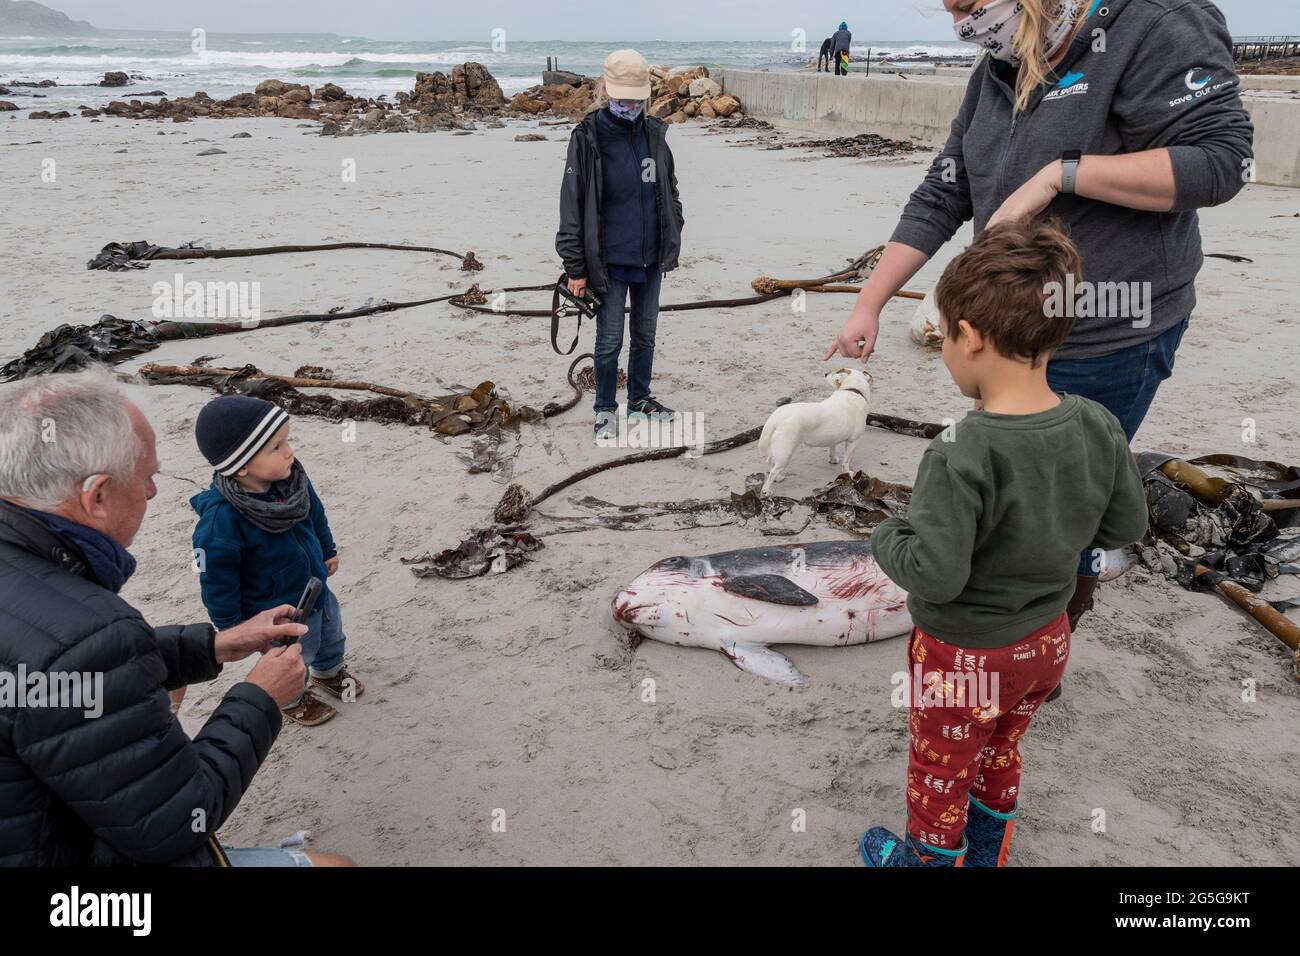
[{"x": 1121, "y": 118}]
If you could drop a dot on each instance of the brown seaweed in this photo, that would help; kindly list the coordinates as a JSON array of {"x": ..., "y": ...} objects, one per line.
[
  {"x": 492, "y": 549},
  {"x": 123, "y": 256},
  {"x": 471, "y": 410}
]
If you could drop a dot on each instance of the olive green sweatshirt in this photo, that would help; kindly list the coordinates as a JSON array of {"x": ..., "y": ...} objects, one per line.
[{"x": 1001, "y": 508}]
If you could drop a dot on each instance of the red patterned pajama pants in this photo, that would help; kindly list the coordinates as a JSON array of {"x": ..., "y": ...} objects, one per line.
[{"x": 969, "y": 709}]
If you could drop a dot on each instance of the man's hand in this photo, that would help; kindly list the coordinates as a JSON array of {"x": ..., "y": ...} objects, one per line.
[
  {"x": 257, "y": 633},
  {"x": 857, "y": 338},
  {"x": 281, "y": 673},
  {"x": 1033, "y": 197},
  {"x": 578, "y": 287},
  {"x": 332, "y": 564}
]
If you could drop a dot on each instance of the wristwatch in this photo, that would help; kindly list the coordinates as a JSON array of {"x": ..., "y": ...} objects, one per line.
[{"x": 1070, "y": 170}]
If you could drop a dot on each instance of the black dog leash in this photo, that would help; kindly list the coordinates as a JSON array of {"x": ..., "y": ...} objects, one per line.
[{"x": 586, "y": 304}]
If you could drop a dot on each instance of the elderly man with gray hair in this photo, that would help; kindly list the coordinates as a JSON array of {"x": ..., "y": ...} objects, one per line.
[{"x": 94, "y": 767}]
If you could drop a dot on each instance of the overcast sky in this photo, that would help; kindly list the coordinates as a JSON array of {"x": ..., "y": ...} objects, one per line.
[{"x": 580, "y": 19}]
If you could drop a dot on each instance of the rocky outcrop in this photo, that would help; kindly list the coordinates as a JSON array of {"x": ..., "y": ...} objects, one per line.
[
  {"x": 437, "y": 102},
  {"x": 470, "y": 86},
  {"x": 676, "y": 96},
  {"x": 115, "y": 79}
]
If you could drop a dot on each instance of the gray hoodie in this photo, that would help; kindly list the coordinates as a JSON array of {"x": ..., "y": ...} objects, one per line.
[{"x": 1166, "y": 79}]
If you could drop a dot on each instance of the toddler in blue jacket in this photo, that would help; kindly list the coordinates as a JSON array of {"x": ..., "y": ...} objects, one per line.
[{"x": 262, "y": 535}]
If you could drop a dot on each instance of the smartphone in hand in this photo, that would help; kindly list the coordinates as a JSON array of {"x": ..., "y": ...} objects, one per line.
[{"x": 306, "y": 604}]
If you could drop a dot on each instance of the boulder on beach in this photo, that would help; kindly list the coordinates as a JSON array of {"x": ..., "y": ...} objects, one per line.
[
  {"x": 523, "y": 103},
  {"x": 331, "y": 93},
  {"x": 703, "y": 86},
  {"x": 6, "y": 106},
  {"x": 280, "y": 88},
  {"x": 115, "y": 78},
  {"x": 726, "y": 104}
]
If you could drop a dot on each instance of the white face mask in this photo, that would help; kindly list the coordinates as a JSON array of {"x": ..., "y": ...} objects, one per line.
[{"x": 993, "y": 27}]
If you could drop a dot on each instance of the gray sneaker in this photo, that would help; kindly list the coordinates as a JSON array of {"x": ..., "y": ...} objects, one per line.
[{"x": 650, "y": 406}]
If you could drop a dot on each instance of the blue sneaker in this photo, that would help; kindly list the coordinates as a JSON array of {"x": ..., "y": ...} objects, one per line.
[
  {"x": 988, "y": 834},
  {"x": 880, "y": 847}
]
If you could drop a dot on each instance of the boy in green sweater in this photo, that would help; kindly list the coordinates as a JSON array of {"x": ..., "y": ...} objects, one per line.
[{"x": 1002, "y": 505}]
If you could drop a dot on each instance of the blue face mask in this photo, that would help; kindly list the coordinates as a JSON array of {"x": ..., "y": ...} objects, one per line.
[{"x": 626, "y": 109}]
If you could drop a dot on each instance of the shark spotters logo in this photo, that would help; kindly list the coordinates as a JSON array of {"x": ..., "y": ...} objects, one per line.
[{"x": 1072, "y": 84}]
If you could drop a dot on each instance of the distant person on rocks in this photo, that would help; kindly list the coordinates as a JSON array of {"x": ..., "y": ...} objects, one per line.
[
  {"x": 100, "y": 772},
  {"x": 840, "y": 49},
  {"x": 825, "y": 55},
  {"x": 621, "y": 230}
]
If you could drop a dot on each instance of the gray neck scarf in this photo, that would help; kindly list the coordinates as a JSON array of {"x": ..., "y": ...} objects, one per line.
[{"x": 274, "y": 517}]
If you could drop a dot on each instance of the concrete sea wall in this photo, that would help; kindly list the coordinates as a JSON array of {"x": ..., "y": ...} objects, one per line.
[{"x": 921, "y": 108}]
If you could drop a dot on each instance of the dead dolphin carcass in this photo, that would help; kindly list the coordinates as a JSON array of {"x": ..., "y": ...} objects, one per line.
[{"x": 829, "y": 593}]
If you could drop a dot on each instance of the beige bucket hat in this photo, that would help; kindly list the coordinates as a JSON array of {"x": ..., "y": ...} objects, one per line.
[{"x": 627, "y": 76}]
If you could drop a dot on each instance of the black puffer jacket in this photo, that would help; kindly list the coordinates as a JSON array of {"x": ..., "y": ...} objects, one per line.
[
  {"x": 579, "y": 240},
  {"x": 126, "y": 787}
]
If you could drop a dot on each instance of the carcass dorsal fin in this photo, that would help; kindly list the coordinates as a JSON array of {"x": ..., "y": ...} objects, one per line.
[{"x": 771, "y": 588}]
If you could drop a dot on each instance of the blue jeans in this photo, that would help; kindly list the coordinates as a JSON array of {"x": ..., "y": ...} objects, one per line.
[
  {"x": 322, "y": 645},
  {"x": 609, "y": 340},
  {"x": 286, "y": 853},
  {"x": 1124, "y": 382}
]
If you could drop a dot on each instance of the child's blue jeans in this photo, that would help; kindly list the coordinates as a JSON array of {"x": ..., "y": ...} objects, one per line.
[{"x": 322, "y": 645}]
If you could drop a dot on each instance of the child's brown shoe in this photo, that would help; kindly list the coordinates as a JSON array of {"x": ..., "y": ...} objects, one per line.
[
  {"x": 340, "y": 683},
  {"x": 311, "y": 711}
]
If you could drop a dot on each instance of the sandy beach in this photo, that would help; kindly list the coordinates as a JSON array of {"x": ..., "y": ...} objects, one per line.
[{"x": 516, "y": 697}]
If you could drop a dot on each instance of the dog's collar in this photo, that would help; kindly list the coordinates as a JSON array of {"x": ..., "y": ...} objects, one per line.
[{"x": 856, "y": 392}]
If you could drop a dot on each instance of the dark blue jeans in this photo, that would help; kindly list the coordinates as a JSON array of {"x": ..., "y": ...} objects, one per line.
[
  {"x": 609, "y": 340},
  {"x": 1125, "y": 382}
]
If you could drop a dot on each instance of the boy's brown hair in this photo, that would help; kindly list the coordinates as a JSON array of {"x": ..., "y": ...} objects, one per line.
[{"x": 1000, "y": 284}]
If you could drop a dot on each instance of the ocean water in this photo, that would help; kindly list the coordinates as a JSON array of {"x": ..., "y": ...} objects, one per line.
[{"x": 234, "y": 63}]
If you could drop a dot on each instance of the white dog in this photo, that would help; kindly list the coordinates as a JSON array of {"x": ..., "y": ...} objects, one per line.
[{"x": 838, "y": 421}]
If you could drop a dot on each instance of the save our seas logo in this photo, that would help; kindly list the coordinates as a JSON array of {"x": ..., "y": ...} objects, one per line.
[
  {"x": 1199, "y": 83},
  {"x": 1072, "y": 84}
]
